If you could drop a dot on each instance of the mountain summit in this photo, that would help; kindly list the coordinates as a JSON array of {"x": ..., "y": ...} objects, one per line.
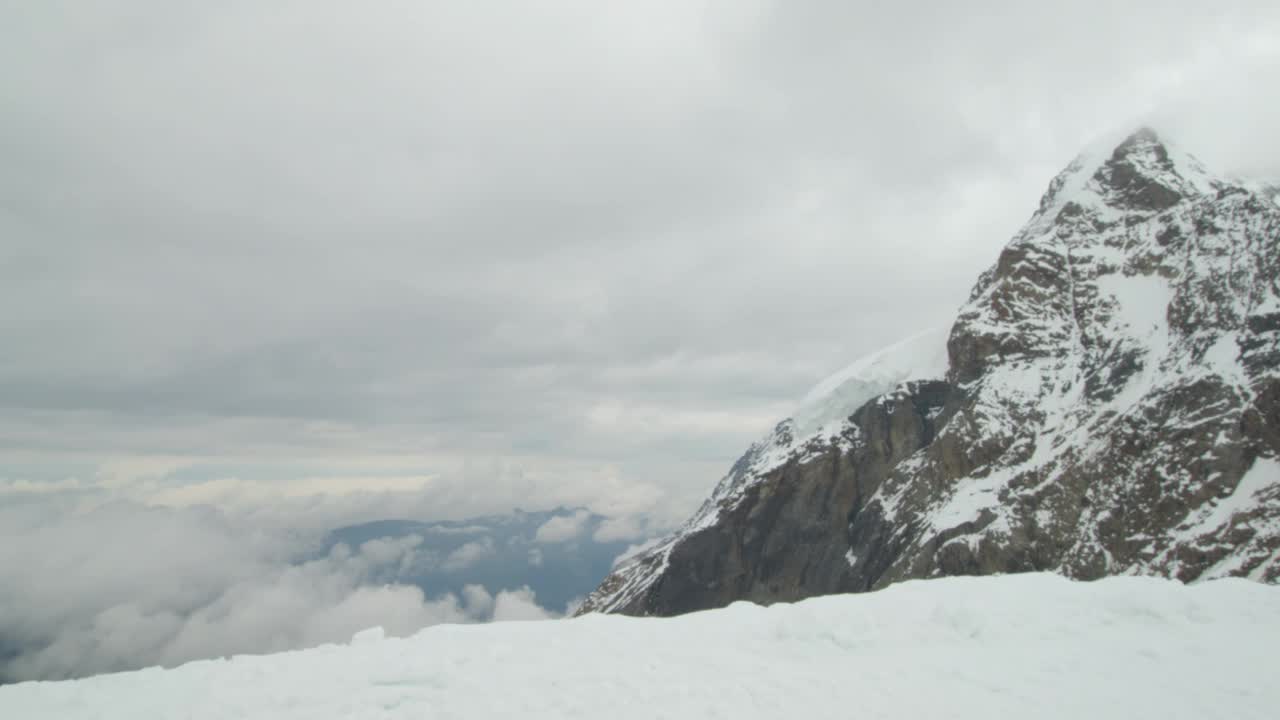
[{"x": 1106, "y": 402}]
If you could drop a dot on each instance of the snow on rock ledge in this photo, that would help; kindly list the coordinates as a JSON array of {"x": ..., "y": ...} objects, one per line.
[
  {"x": 820, "y": 422},
  {"x": 832, "y": 401}
]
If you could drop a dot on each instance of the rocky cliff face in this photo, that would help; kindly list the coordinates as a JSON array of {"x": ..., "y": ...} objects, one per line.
[{"x": 1108, "y": 402}]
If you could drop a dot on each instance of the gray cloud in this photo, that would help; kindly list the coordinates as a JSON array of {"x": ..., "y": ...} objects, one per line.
[{"x": 634, "y": 233}]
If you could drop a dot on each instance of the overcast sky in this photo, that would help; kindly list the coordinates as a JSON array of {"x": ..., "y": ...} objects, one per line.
[{"x": 459, "y": 256}]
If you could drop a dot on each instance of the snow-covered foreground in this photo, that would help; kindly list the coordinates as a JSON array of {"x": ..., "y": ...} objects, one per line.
[{"x": 1027, "y": 645}]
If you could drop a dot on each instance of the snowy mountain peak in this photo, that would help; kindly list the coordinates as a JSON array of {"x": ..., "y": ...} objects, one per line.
[
  {"x": 1109, "y": 404},
  {"x": 1144, "y": 173},
  {"x": 1140, "y": 175}
]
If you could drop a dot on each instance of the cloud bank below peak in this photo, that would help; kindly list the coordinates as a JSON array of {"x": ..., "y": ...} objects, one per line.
[{"x": 123, "y": 586}]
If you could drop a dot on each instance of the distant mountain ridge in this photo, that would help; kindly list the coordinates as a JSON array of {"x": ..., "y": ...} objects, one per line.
[
  {"x": 1108, "y": 403},
  {"x": 497, "y": 552}
]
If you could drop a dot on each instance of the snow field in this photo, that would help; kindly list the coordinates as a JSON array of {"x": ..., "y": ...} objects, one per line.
[{"x": 1021, "y": 645}]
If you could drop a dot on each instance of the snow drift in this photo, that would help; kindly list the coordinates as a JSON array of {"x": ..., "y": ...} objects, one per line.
[{"x": 1033, "y": 645}]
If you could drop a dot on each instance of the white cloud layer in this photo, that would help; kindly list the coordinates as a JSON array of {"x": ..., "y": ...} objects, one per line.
[
  {"x": 123, "y": 586},
  {"x": 563, "y": 528},
  {"x": 469, "y": 554},
  {"x": 625, "y": 527}
]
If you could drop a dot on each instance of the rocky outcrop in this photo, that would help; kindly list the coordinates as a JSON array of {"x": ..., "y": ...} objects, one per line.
[{"x": 1109, "y": 404}]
